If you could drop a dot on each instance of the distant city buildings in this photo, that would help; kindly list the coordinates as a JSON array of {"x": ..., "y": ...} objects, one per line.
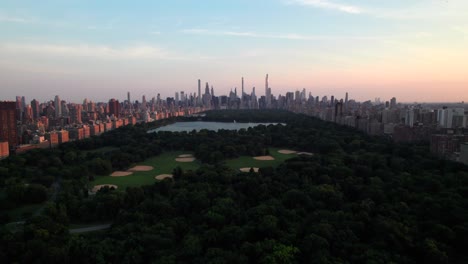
[
  {"x": 8, "y": 123},
  {"x": 48, "y": 124}
]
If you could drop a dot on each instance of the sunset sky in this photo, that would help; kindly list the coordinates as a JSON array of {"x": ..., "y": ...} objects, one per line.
[{"x": 415, "y": 50}]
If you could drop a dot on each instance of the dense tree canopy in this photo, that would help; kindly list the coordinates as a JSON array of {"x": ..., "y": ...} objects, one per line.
[{"x": 359, "y": 199}]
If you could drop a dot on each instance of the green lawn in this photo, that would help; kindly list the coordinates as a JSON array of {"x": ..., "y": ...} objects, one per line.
[
  {"x": 248, "y": 162},
  {"x": 163, "y": 164}
]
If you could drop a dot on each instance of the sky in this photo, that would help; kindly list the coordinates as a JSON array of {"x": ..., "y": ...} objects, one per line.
[{"x": 414, "y": 50}]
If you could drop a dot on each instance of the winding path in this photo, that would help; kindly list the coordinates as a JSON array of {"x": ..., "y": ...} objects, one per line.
[{"x": 89, "y": 229}]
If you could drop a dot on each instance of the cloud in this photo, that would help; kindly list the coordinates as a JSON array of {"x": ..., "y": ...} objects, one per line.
[
  {"x": 94, "y": 51},
  {"x": 155, "y": 33},
  {"x": 326, "y": 4},
  {"x": 12, "y": 19},
  {"x": 288, "y": 36}
]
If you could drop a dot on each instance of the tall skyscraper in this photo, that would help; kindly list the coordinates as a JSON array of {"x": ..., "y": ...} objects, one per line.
[
  {"x": 267, "y": 93},
  {"x": 19, "y": 108},
  {"x": 393, "y": 103},
  {"x": 58, "y": 107},
  {"x": 8, "y": 127},
  {"x": 199, "y": 92},
  {"x": 346, "y": 101},
  {"x": 207, "y": 89},
  {"x": 114, "y": 107},
  {"x": 23, "y": 101},
  {"x": 242, "y": 87},
  {"x": 35, "y": 109}
]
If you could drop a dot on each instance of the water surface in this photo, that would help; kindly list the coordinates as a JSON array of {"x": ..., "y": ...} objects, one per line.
[{"x": 199, "y": 125}]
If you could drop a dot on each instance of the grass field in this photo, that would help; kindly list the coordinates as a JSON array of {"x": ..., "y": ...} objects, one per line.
[
  {"x": 249, "y": 162},
  {"x": 163, "y": 164}
]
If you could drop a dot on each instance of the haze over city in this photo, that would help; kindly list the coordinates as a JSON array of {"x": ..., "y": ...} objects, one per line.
[{"x": 412, "y": 50}]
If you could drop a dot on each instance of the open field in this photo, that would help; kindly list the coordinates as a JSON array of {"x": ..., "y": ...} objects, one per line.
[
  {"x": 166, "y": 162},
  {"x": 248, "y": 162},
  {"x": 163, "y": 164}
]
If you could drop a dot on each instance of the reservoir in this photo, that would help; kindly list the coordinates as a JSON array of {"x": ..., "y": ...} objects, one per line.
[{"x": 199, "y": 125}]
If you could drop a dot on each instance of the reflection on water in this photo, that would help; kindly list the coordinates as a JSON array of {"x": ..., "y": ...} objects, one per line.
[{"x": 199, "y": 125}]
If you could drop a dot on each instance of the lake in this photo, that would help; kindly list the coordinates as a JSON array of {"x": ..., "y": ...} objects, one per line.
[{"x": 199, "y": 125}]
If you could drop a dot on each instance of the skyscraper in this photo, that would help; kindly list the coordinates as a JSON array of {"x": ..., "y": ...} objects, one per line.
[
  {"x": 8, "y": 128},
  {"x": 35, "y": 109},
  {"x": 267, "y": 93},
  {"x": 75, "y": 113},
  {"x": 242, "y": 87},
  {"x": 393, "y": 103},
  {"x": 19, "y": 108},
  {"x": 58, "y": 107},
  {"x": 114, "y": 107},
  {"x": 199, "y": 92}
]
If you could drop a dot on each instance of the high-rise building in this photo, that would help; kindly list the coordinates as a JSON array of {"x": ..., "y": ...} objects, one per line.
[
  {"x": 114, "y": 107},
  {"x": 19, "y": 108},
  {"x": 393, "y": 103},
  {"x": 207, "y": 88},
  {"x": 58, "y": 107},
  {"x": 267, "y": 93},
  {"x": 75, "y": 113},
  {"x": 199, "y": 92},
  {"x": 35, "y": 109},
  {"x": 8, "y": 127},
  {"x": 242, "y": 87}
]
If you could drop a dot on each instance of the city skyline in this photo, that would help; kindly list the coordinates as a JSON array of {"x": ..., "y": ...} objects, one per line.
[{"x": 83, "y": 49}]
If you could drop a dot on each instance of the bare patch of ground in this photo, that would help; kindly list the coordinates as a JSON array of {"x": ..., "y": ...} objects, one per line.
[
  {"x": 185, "y": 159},
  {"x": 98, "y": 187},
  {"x": 163, "y": 176},
  {"x": 286, "y": 151},
  {"x": 141, "y": 168},
  {"x": 121, "y": 173},
  {"x": 185, "y": 156},
  {"x": 305, "y": 153},
  {"x": 248, "y": 169},
  {"x": 264, "y": 158}
]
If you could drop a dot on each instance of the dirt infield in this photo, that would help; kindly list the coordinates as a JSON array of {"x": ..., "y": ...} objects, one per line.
[
  {"x": 185, "y": 159},
  {"x": 141, "y": 168},
  {"x": 286, "y": 151},
  {"x": 305, "y": 153},
  {"x": 264, "y": 158},
  {"x": 163, "y": 176},
  {"x": 98, "y": 187},
  {"x": 185, "y": 156},
  {"x": 121, "y": 173},
  {"x": 248, "y": 169}
]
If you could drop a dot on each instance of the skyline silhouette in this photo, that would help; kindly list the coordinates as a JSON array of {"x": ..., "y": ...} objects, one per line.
[{"x": 415, "y": 51}]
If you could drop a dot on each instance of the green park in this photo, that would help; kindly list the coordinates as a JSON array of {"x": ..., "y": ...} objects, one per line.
[{"x": 165, "y": 163}]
